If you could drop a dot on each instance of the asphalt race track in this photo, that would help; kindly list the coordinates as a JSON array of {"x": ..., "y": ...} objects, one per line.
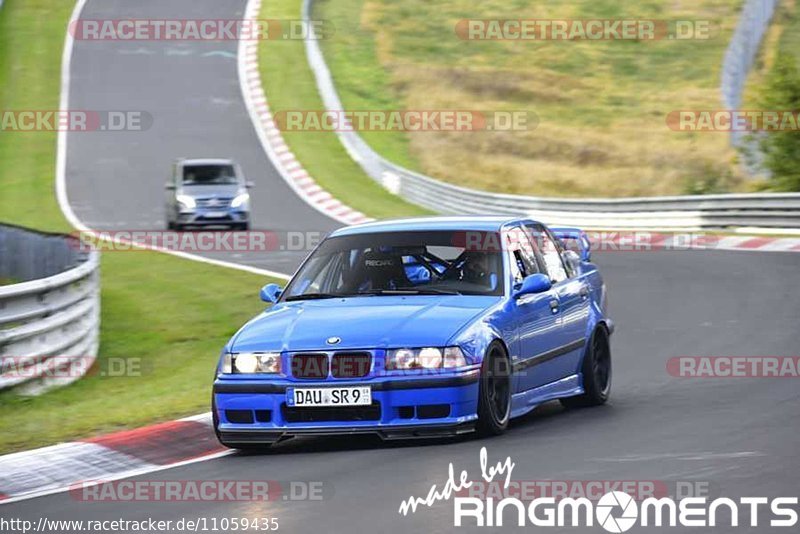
[
  {"x": 740, "y": 436},
  {"x": 115, "y": 180}
]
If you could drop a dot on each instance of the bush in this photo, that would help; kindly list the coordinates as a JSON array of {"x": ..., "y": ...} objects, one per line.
[{"x": 782, "y": 148}]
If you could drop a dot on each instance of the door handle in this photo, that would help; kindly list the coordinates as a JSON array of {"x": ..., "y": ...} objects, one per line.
[{"x": 554, "y": 306}]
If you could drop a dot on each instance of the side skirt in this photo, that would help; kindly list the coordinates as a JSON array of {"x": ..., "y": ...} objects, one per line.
[{"x": 524, "y": 402}]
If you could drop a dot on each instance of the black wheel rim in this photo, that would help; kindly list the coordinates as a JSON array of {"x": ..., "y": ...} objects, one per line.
[
  {"x": 497, "y": 388},
  {"x": 601, "y": 366}
]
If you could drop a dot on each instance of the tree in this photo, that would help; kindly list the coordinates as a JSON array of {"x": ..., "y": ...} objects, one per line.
[{"x": 781, "y": 149}]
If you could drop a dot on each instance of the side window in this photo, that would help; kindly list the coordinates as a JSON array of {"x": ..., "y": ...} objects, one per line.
[
  {"x": 323, "y": 275},
  {"x": 550, "y": 251},
  {"x": 522, "y": 254}
]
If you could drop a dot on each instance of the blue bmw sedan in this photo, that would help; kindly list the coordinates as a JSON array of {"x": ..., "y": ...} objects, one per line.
[{"x": 423, "y": 327}]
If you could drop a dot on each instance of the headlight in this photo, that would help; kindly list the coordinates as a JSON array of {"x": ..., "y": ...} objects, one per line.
[
  {"x": 430, "y": 358},
  {"x": 402, "y": 359},
  {"x": 246, "y": 363},
  {"x": 252, "y": 363},
  {"x": 187, "y": 201},
  {"x": 425, "y": 358},
  {"x": 453, "y": 357},
  {"x": 240, "y": 201}
]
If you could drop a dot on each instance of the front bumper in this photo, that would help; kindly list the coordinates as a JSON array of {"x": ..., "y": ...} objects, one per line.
[
  {"x": 213, "y": 217},
  {"x": 405, "y": 407}
]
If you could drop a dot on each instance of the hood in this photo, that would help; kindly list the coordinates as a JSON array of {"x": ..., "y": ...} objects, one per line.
[
  {"x": 207, "y": 191},
  {"x": 361, "y": 323}
]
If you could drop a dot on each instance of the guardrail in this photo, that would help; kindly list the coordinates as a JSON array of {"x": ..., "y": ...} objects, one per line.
[
  {"x": 765, "y": 210},
  {"x": 50, "y": 316},
  {"x": 741, "y": 54}
]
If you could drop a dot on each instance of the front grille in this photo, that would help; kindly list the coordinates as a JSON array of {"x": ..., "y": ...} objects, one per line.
[
  {"x": 332, "y": 413},
  {"x": 351, "y": 364},
  {"x": 312, "y": 366},
  {"x": 213, "y": 202}
]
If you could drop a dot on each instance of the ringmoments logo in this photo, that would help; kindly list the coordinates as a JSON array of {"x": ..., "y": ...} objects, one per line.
[
  {"x": 618, "y": 511},
  {"x": 605, "y": 511},
  {"x": 615, "y": 511}
]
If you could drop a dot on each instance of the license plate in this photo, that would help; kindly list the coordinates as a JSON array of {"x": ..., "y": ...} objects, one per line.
[
  {"x": 342, "y": 396},
  {"x": 215, "y": 214}
]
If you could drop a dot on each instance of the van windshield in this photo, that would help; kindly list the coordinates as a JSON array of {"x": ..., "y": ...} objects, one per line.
[{"x": 209, "y": 175}]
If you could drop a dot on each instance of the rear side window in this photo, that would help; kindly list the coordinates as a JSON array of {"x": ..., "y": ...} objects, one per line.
[
  {"x": 523, "y": 252},
  {"x": 550, "y": 252}
]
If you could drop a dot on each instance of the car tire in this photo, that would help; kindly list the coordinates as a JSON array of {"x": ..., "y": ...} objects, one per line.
[
  {"x": 170, "y": 225},
  {"x": 494, "y": 392},
  {"x": 244, "y": 227},
  {"x": 596, "y": 371}
]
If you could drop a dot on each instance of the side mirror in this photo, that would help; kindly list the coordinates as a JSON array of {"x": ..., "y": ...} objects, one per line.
[
  {"x": 169, "y": 186},
  {"x": 249, "y": 185},
  {"x": 535, "y": 283},
  {"x": 586, "y": 247},
  {"x": 271, "y": 292}
]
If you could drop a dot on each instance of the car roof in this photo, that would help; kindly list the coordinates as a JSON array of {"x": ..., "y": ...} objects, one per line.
[
  {"x": 486, "y": 223},
  {"x": 206, "y": 161}
]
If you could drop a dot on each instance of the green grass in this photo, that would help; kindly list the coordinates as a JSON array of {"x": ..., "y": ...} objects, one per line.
[
  {"x": 790, "y": 36},
  {"x": 783, "y": 36},
  {"x": 31, "y": 37},
  {"x": 158, "y": 317},
  {"x": 167, "y": 315},
  {"x": 290, "y": 86},
  {"x": 601, "y": 105},
  {"x": 362, "y": 82}
]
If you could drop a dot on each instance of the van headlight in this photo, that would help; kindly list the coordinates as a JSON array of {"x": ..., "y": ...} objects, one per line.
[
  {"x": 241, "y": 201},
  {"x": 186, "y": 201}
]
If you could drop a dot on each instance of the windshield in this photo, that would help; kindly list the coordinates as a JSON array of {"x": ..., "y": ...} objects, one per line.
[
  {"x": 209, "y": 175},
  {"x": 395, "y": 263}
]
